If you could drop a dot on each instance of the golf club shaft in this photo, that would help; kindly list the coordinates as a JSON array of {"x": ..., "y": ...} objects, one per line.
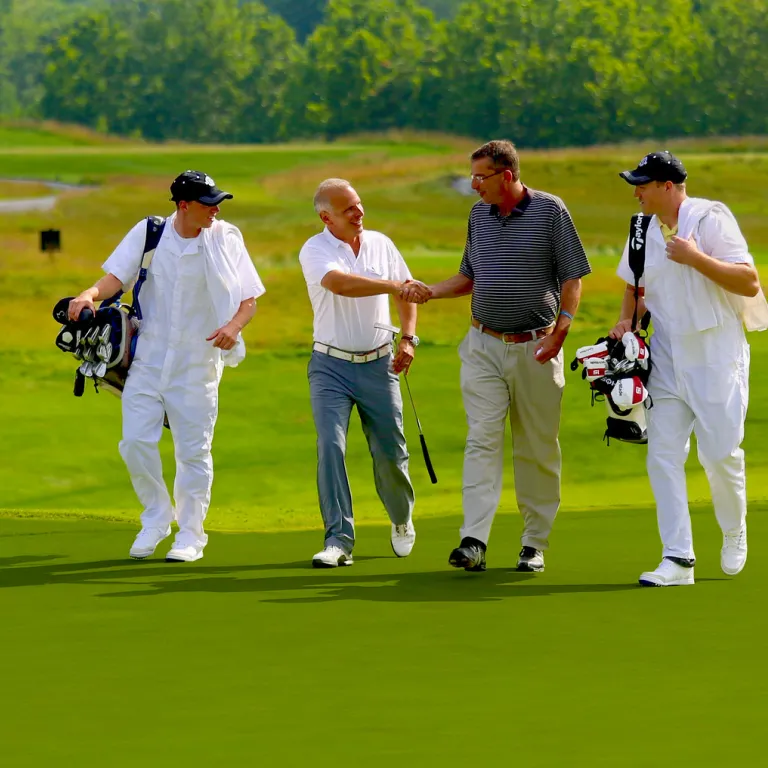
[{"x": 424, "y": 449}]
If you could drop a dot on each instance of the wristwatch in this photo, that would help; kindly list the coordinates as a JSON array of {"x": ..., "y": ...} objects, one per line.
[{"x": 413, "y": 339}]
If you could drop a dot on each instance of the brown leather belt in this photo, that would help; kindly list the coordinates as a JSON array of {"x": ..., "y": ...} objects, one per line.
[{"x": 513, "y": 338}]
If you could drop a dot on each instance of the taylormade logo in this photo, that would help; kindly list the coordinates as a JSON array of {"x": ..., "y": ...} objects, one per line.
[{"x": 637, "y": 225}]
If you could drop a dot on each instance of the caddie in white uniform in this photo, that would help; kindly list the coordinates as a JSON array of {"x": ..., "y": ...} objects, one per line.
[
  {"x": 350, "y": 275},
  {"x": 200, "y": 292},
  {"x": 701, "y": 288}
]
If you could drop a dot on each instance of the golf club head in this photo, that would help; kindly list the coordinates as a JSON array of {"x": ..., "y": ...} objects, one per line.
[
  {"x": 100, "y": 369},
  {"x": 86, "y": 369},
  {"x": 61, "y": 313},
  {"x": 65, "y": 341}
]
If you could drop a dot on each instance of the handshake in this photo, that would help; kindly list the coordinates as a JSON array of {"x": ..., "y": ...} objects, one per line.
[{"x": 415, "y": 292}]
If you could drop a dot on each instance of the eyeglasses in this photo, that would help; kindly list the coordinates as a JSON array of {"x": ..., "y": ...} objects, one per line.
[{"x": 476, "y": 177}]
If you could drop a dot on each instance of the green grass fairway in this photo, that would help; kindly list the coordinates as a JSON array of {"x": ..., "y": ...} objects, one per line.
[{"x": 251, "y": 657}]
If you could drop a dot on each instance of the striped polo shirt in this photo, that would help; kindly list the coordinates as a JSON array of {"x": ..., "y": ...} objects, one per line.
[{"x": 518, "y": 262}]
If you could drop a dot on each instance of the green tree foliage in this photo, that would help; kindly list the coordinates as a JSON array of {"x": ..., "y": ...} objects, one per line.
[
  {"x": 301, "y": 15},
  {"x": 26, "y": 26},
  {"x": 735, "y": 67},
  {"x": 544, "y": 72},
  {"x": 361, "y": 77}
]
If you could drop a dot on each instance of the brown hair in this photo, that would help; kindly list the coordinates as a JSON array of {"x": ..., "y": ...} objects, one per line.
[{"x": 503, "y": 155}]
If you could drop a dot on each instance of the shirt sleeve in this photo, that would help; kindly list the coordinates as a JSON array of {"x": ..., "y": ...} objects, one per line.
[
  {"x": 398, "y": 268},
  {"x": 125, "y": 261},
  {"x": 570, "y": 257},
  {"x": 721, "y": 238},
  {"x": 465, "y": 268},
  {"x": 251, "y": 286},
  {"x": 316, "y": 264}
]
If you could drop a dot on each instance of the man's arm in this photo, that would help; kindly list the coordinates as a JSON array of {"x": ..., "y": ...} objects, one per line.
[
  {"x": 739, "y": 278},
  {"x": 458, "y": 285},
  {"x": 453, "y": 287},
  {"x": 405, "y": 349},
  {"x": 355, "y": 286},
  {"x": 627, "y": 310},
  {"x": 105, "y": 288},
  {"x": 226, "y": 336},
  {"x": 550, "y": 346}
]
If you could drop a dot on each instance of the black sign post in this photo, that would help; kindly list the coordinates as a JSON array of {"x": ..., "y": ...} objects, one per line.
[{"x": 50, "y": 240}]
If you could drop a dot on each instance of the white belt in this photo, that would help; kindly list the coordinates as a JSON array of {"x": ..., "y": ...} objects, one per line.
[{"x": 352, "y": 357}]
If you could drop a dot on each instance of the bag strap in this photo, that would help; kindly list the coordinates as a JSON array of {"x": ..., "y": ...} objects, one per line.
[
  {"x": 155, "y": 227},
  {"x": 638, "y": 237}
]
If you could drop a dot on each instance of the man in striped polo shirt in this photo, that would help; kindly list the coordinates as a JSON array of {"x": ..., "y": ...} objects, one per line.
[{"x": 523, "y": 263}]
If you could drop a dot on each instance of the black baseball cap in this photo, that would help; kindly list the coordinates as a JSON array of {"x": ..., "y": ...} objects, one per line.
[
  {"x": 658, "y": 166},
  {"x": 197, "y": 186}
]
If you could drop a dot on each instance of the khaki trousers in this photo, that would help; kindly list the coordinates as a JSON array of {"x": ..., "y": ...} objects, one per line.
[{"x": 499, "y": 379}]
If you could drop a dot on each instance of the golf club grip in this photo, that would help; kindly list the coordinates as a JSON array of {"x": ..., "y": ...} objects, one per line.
[{"x": 427, "y": 460}]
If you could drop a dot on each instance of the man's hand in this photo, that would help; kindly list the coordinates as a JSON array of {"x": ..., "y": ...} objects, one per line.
[
  {"x": 403, "y": 356},
  {"x": 226, "y": 336},
  {"x": 621, "y": 328},
  {"x": 682, "y": 251},
  {"x": 415, "y": 292},
  {"x": 77, "y": 305},
  {"x": 548, "y": 348}
]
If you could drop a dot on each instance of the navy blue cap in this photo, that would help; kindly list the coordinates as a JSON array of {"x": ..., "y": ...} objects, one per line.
[
  {"x": 197, "y": 186},
  {"x": 657, "y": 166}
]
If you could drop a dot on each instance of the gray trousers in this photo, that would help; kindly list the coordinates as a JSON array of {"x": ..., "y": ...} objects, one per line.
[
  {"x": 501, "y": 380},
  {"x": 336, "y": 386}
]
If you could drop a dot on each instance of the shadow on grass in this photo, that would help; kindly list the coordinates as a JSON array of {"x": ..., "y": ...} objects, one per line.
[
  {"x": 148, "y": 579},
  {"x": 6, "y": 562}
]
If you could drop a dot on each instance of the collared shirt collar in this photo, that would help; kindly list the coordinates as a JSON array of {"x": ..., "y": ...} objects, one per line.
[
  {"x": 518, "y": 210},
  {"x": 335, "y": 242}
]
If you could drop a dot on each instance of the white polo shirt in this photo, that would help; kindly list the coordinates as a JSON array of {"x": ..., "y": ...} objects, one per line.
[{"x": 340, "y": 321}]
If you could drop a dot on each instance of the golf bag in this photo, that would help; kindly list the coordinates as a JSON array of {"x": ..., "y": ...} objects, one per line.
[
  {"x": 105, "y": 341},
  {"x": 618, "y": 369}
]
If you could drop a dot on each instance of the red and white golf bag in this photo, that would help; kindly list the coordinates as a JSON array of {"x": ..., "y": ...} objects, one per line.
[{"x": 617, "y": 371}]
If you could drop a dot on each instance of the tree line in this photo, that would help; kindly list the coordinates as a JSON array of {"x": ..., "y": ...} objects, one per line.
[{"x": 542, "y": 72}]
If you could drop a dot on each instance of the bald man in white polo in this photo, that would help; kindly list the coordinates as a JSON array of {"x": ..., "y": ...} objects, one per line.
[{"x": 350, "y": 274}]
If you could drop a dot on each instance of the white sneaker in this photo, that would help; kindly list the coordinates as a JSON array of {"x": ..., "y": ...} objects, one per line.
[
  {"x": 186, "y": 554},
  {"x": 403, "y": 538},
  {"x": 668, "y": 574},
  {"x": 733, "y": 555},
  {"x": 146, "y": 542},
  {"x": 331, "y": 557},
  {"x": 530, "y": 560}
]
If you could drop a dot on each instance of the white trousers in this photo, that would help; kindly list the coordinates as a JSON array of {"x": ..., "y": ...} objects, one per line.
[
  {"x": 497, "y": 380},
  {"x": 713, "y": 404},
  {"x": 190, "y": 399}
]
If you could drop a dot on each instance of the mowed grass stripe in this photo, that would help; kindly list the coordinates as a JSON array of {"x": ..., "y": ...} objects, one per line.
[{"x": 405, "y": 661}]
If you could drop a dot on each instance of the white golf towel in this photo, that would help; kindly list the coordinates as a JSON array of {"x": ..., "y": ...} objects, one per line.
[
  {"x": 703, "y": 297},
  {"x": 231, "y": 279}
]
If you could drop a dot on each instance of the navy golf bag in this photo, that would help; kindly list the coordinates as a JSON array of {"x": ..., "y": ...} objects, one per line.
[{"x": 105, "y": 341}]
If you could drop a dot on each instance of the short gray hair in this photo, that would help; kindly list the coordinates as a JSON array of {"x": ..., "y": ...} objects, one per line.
[{"x": 324, "y": 190}]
